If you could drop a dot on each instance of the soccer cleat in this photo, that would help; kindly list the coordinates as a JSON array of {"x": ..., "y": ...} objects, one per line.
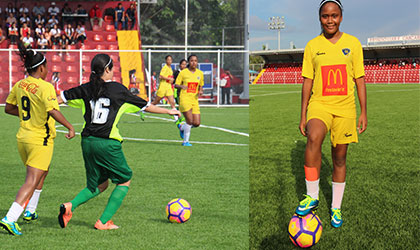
[
  {"x": 107, "y": 226},
  {"x": 141, "y": 115},
  {"x": 306, "y": 205},
  {"x": 11, "y": 227},
  {"x": 187, "y": 144},
  {"x": 179, "y": 121},
  {"x": 28, "y": 216},
  {"x": 65, "y": 214},
  {"x": 336, "y": 220}
]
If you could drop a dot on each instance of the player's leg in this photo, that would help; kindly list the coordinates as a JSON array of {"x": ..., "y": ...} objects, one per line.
[
  {"x": 339, "y": 153},
  {"x": 186, "y": 127},
  {"x": 30, "y": 213},
  {"x": 172, "y": 103},
  {"x": 196, "y": 120},
  {"x": 156, "y": 100},
  {"x": 316, "y": 131}
]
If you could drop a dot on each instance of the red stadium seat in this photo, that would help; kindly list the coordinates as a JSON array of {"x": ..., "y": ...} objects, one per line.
[
  {"x": 85, "y": 79},
  {"x": 71, "y": 69},
  {"x": 111, "y": 38},
  {"x": 54, "y": 47},
  {"x": 110, "y": 27},
  {"x": 14, "y": 69},
  {"x": 72, "y": 80},
  {"x": 56, "y": 58},
  {"x": 116, "y": 79},
  {"x": 84, "y": 46},
  {"x": 113, "y": 47},
  {"x": 100, "y": 47},
  {"x": 109, "y": 19},
  {"x": 98, "y": 38},
  {"x": 70, "y": 58},
  {"x": 86, "y": 68},
  {"x": 85, "y": 58},
  {"x": 13, "y": 46},
  {"x": 71, "y": 46},
  {"x": 96, "y": 28},
  {"x": 56, "y": 68},
  {"x": 15, "y": 58},
  {"x": 115, "y": 58}
]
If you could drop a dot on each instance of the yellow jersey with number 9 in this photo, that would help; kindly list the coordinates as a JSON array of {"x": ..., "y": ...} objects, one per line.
[
  {"x": 34, "y": 98},
  {"x": 193, "y": 81},
  {"x": 333, "y": 68}
]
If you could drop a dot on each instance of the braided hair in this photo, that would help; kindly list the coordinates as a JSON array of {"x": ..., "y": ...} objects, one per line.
[
  {"x": 31, "y": 59},
  {"x": 98, "y": 65}
]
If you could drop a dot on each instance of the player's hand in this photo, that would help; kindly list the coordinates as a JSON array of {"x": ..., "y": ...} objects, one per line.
[
  {"x": 200, "y": 92},
  {"x": 70, "y": 134},
  {"x": 171, "y": 80},
  {"x": 184, "y": 87},
  {"x": 302, "y": 126},
  {"x": 174, "y": 112},
  {"x": 362, "y": 124}
]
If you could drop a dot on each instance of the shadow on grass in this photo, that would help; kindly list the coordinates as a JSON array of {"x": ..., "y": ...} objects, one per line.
[
  {"x": 161, "y": 221},
  {"x": 52, "y": 222}
]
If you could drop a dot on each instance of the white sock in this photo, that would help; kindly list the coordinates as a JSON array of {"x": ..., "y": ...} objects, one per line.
[
  {"x": 33, "y": 202},
  {"x": 14, "y": 212},
  {"x": 187, "y": 131},
  {"x": 312, "y": 188},
  {"x": 337, "y": 194},
  {"x": 175, "y": 116}
]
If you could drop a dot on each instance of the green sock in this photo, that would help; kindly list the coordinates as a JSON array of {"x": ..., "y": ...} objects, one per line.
[
  {"x": 82, "y": 197},
  {"x": 114, "y": 203}
]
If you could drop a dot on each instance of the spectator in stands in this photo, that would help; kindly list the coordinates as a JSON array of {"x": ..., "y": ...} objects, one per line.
[
  {"x": 130, "y": 16},
  {"x": 47, "y": 36},
  {"x": 80, "y": 34},
  {"x": 24, "y": 19},
  {"x": 81, "y": 11},
  {"x": 39, "y": 31},
  {"x": 10, "y": 19},
  {"x": 56, "y": 80},
  {"x": 63, "y": 41},
  {"x": 67, "y": 11},
  {"x": 27, "y": 41},
  {"x": 110, "y": 12},
  {"x": 225, "y": 84},
  {"x": 10, "y": 9},
  {"x": 23, "y": 10},
  {"x": 52, "y": 21},
  {"x": 414, "y": 64},
  {"x": 95, "y": 14},
  {"x": 119, "y": 16},
  {"x": 55, "y": 34},
  {"x": 69, "y": 32},
  {"x": 13, "y": 33},
  {"x": 2, "y": 37},
  {"x": 39, "y": 20},
  {"x": 25, "y": 31},
  {"x": 53, "y": 10},
  {"x": 38, "y": 10},
  {"x": 42, "y": 42}
]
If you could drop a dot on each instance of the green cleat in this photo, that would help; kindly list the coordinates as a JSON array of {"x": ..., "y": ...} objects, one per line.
[
  {"x": 28, "y": 217},
  {"x": 11, "y": 227}
]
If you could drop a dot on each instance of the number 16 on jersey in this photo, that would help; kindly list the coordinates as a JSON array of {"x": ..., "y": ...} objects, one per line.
[{"x": 100, "y": 110}]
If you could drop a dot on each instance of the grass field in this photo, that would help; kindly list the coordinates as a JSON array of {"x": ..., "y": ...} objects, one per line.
[
  {"x": 213, "y": 178},
  {"x": 381, "y": 201}
]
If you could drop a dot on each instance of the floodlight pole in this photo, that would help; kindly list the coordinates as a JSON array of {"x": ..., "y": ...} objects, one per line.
[
  {"x": 186, "y": 28},
  {"x": 277, "y": 23},
  {"x": 138, "y": 15},
  {"x": 245, "y": 93}
]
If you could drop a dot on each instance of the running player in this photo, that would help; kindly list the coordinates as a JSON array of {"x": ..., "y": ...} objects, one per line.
[
  {"x": 103, "y": 102},
  {"x": 166, "y": 77},
  {"x": 34, "y": 101},
  {"x": 182, "y": 66},
  {"x": 331, "y": 62},
  {"x": 191, "y": 81}
]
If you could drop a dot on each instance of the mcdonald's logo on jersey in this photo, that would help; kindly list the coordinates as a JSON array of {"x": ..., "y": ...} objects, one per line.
[{"x": 334, "y": 80}]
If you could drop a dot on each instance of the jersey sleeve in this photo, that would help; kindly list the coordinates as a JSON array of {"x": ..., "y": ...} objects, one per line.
[
  {"x": 49, "y": 98},
  {"x": 74, "y": 96},
  {"x": 136, "y": 102},
  {"x": 163, "y": 72},
  {"x": 358, "y": 67},
  {"x": 308, "y": 67},
  {"x": 11, "y": 99},
  {"x": 201, "y": 83},
  {"x": 179, "y": 78}
]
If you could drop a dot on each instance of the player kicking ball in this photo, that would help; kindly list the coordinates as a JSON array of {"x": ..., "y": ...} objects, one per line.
[
  {"x": 190, "y": 81},
  {"x": 330, "y": 63},
  {"x": 103, "y": 102},
  {"x": 34, "y": 101}
]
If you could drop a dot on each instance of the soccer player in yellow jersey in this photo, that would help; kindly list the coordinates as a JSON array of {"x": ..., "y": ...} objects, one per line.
[
  {"x": 332, "y": 68},
  {"x": 190, "y": 81},
  {"x": 34, "y": 101},
  {"x": 166, "y": 77}
]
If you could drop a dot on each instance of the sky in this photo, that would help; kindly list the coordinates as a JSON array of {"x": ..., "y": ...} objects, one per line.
[{"x": 361, "y": 18}]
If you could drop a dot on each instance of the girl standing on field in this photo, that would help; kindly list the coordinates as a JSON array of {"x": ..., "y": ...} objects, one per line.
[
  {"x": 332, "y": 66},
  {"x": 34, "y": 101},
  {"x": 103, "y": 102}
]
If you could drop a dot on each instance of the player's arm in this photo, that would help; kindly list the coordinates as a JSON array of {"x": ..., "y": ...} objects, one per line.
[
  {"x": 306, "y": 94},
  {"x": 200, "y": 90},
  {"x": 361, "y": 93},
  {"x": 11, "y": 109},
  {"x": 178, "y": 82},
  {"x": 59, "y": 117},
  {"x": 158, "y": 110},
  {"x": 201, "y": 84}
]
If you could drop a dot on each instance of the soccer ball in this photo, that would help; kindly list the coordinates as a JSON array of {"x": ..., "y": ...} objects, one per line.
[
  {"x": 305, "y": 231},
  {"x": 178, "y": 211}
]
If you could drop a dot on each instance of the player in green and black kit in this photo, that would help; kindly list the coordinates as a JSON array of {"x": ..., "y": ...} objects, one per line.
[{"x": 103, "y": 102}]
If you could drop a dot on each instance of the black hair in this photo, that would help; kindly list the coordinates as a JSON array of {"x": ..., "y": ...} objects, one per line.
[
  {"x": 31, "y": 59},
  {"x": 323, "y": 2},
  {"x": 183, "y": 60},
  {"x": 166, "y": 57},
  {"x": 189, "y": 57},
  {"x": 98, "y": 65}
]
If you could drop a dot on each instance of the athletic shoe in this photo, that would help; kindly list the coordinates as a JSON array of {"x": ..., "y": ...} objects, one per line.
[
  {"x": 336, "y": 220},
  {"x": 179, "y": 121},
  {"x": 11, "y": 227},
  {"x": 107, "y": 226},
  {"x": 306, "y": 205},
  {"x": 28, "y": 216},
  {"x": 186, "y": 144},
  {"x": 141, "y": 115},
  {"x": 65, "y": 214}
]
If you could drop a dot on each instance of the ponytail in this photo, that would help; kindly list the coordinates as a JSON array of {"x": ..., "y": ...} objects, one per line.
[
  {"x": 98, "y": 65},
  {"x": 31, "y": 59}
]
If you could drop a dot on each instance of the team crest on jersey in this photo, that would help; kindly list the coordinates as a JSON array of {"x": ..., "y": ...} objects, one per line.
[
  {"x": 346, "y": 51},
  {"x": 198, "y": 78}
]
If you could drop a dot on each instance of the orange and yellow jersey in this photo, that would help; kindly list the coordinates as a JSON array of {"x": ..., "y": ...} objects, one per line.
[
  {"x": 166, "y": 71},
  {"x": 193, "y": 80},
  {"x": 34, "y": 98},
  {"x": 333, "y": 68}
]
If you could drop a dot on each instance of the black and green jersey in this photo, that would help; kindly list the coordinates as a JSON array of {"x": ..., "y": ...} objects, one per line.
[{"x": 102, "y": 115}]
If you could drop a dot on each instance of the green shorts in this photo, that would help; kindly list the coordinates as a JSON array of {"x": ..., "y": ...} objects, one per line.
[{"x": 104, "y": 160}]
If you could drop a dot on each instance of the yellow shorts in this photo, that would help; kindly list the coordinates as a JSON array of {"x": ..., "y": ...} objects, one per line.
[
  {"x": 36, "y": 156},
  {"x": 186, "y": 105},
  {"x": 165, "y": 90},
  {"x": 342, "y": 129}
]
